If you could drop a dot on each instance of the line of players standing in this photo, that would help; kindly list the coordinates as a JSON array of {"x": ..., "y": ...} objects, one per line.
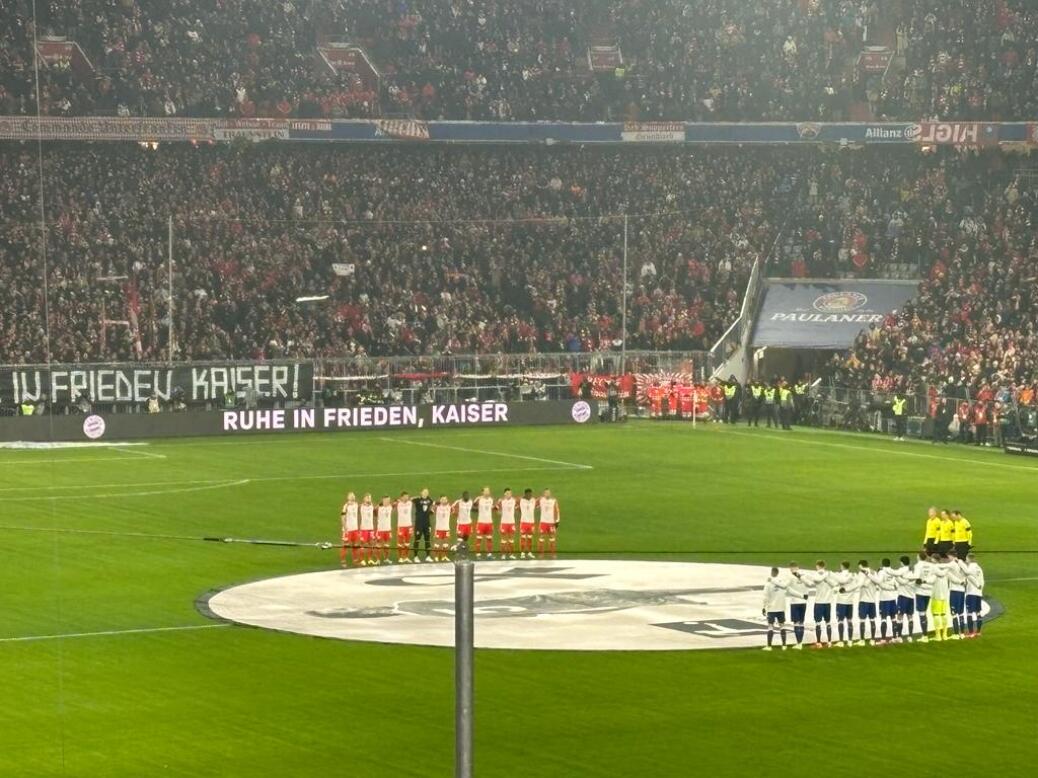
[
  {"x": 368, "y": 528},
  {"x": 945, "y": 579}
]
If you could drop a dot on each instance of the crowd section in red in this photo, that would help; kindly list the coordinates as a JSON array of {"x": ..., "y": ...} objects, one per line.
[{"x": 426, "y": 251}]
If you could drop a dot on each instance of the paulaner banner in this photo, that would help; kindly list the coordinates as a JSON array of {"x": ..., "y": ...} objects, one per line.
[
  {"x": 135, "y": 383},
  {"x": 275, "y": 421},
  {"x": 825, "y": 314}
]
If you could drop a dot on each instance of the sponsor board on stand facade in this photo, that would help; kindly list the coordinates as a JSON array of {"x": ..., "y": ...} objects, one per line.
[
  {"x": 184, "y": 129},
  {"x": 293, "y": 417}
]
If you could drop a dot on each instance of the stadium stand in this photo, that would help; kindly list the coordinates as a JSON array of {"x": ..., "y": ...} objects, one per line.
[
  {"x": 973, "y": 322},
  {"x": 420, "y": 248},
  {"x": 973, "y": 59},
  {"x": 526, "y": 59}
]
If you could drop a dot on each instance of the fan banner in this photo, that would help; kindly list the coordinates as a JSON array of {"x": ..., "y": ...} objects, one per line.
[
  {"x": 600, "y": 384},
  {"x": 136, "y": 382}
]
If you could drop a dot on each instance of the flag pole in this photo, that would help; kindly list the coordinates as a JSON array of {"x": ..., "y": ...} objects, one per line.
[
  {"x": 623, "y": 309},
  {"x": 169, "y": 291}
]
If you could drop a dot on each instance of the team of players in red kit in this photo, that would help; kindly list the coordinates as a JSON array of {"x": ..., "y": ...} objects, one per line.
[{"x": 368, "y": 528}]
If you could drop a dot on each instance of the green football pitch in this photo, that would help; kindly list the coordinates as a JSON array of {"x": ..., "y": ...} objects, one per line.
[{"x": 107, "y": 667}]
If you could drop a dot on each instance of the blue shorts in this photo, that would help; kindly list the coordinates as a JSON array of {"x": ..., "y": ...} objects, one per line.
[
  {"x": 888, "y": 608},
  {"x": 922, "y": 602},
  {"x": 797, "y": 611},
  {"x": 972, "y": 603},
  {"x": 844, "y": 611},
  {"x": 905, "y": 605},
  {"x": 776, "y": 617},
  {"x": 823, "y": 612},
  {"x": 866, "y": 610},
  {"x": 957, "y": 600}
]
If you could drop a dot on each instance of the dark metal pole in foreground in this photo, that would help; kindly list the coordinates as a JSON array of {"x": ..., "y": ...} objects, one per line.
[{"x": 463, "y": 650}]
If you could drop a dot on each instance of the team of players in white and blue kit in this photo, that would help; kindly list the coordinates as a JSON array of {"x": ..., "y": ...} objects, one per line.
[{"x": 936, "y": 585}]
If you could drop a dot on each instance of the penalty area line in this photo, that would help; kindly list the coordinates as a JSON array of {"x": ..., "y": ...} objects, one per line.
[
  {"x": 574, "y": 465},
  {"x": 112, "y": 632}
]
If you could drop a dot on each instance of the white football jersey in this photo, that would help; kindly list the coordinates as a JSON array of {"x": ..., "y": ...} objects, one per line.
[
  {"x": 464, "y": 511},
  {"x": 507, "y": 508},
  {"x": 385, "y": 518},
  {"x": 367, "y": 516},
  {"x": 350, "y": 515},
  {"x": 443, "y": 517},
  {"x": 403, "y": 513},
  {"x": 527, "y": 508},
  {"x": 485, "y": 508},
  {"x": 548, "y": 509}
]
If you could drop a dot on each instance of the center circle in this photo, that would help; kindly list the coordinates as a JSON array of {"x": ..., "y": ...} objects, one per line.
[
  {"x": 548, "y": 605},
  {"x": 579, "y": 605}
]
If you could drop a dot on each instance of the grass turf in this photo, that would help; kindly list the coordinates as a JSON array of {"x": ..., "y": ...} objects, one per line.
[{"x": 236, "y": 701}]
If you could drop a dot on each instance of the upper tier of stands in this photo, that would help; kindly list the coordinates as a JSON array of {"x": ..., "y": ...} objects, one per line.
[{"x": 593, "y": 60}]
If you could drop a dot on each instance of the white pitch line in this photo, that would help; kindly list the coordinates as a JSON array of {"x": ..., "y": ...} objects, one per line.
[
  {"x": 112, "y": 486},
  {"x": 1006, "y": 580},
  {"x": 111, "y": 632},
  {"x": 307, "y": 477},
  {"x": 113, "y": 495},
  {"x": 488, "y": 453},
  {"x": 415, "y": 473},
  {"x": 874, "y": 450},
  {"x": 69, "y": 461},
  {"x": 145, "y": 454}
]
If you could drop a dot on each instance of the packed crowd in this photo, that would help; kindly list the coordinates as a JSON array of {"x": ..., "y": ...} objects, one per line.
[
  {"x": 449, "y": 250},
  {"x": 969, "y": 59},
  {"x": 420, "y": 251},
  {"x": 972, "y": 326},
  {"x": 678, "y": 59},
  {"x": 526, "y": 59},
  {"x": 176, "y": 58}
]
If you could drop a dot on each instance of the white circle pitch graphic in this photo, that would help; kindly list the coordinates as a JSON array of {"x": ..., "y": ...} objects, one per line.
[{"x": 582, "y": 605}]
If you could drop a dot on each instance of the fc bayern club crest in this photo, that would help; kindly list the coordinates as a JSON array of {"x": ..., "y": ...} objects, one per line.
[{"x": 840, "y": 302}]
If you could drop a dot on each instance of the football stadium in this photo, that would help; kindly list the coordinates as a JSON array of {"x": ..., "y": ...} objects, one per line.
[{"x": 528, "y": 387}]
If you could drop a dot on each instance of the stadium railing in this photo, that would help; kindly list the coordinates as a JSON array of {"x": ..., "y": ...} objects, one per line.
[
  {"x": 335, "y": 380},
  {"x": 480, "y": 377},
  {"x": 733, "y": 338},
  {"x": 869, "y": 410}
]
